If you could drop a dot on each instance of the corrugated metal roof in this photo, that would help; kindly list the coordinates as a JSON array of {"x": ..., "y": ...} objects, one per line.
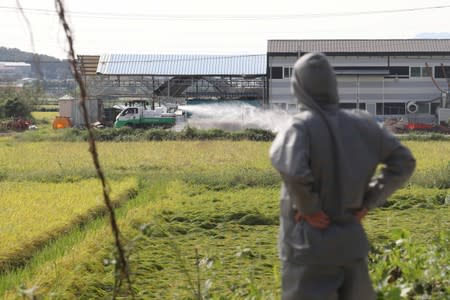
[
  {"x": 88, "y": 64},
  {"x": 166, "y": 64},
  {"x": 360, "y": 46}
]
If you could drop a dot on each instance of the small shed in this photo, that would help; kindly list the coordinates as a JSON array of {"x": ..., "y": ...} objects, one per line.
[
  {"x": 65, "y": 104},
  {"x": 69, "y": 107}
]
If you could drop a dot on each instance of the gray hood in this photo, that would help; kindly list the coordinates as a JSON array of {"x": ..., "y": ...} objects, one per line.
[
  {"x": 315, "y": 87},
  {"x": 314, "y": 81}
]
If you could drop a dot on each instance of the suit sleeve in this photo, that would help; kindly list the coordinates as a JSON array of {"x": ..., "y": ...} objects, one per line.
[
  {"x": 399, "y": 164},
  {"x": 290, "y": 155}
]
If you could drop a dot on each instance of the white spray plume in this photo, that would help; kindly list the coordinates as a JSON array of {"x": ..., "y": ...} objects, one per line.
[{"x": 235, "y": 117}]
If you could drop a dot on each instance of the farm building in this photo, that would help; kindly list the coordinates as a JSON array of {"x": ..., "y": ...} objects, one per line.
[
  {"x": 175, "y": 78},
  {"x": 14, "y": 70},
  {"x": 388, "y": 78}
]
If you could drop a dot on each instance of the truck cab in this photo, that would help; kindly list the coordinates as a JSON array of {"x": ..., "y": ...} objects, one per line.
[
  {"x": 140, "y": 117},
  {"x": 130, "y": 113}
]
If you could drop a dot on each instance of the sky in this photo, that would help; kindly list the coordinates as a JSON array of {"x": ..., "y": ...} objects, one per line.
[{"x": 212, "y": 27}]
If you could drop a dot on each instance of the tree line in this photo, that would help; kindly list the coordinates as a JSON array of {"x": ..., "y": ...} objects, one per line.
[{"x": 43, "y": 67}]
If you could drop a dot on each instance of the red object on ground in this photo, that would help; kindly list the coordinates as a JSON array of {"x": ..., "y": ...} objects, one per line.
[
  {"x": 414, "y": 126},
  {"x": 15, "y": 124}
]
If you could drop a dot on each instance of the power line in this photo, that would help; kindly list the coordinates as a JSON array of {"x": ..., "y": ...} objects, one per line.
[
  {"x": 218, "y": 17},
  {"x": 175, "y": 58},
  {"x": 167, "y": 58}
]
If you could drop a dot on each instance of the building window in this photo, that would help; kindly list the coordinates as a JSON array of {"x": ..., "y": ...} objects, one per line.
[
  {"x": 347, "y": 105},
  {"x": 423, "y": 108},
  {"x": 399, "y": 71},
  {"x": 276, "y": 72},
  {"x": 427, "y": 72},
  {"x": 394, "y": 108},
  {"x": 415, "y": 71},
  {"x": 352, "y": 105},
  {"x": 434, "y": 107},
  {"x": 279, "y": 106},
  {"x": 421, "y": 72},
  {"x": 287, "y": 72},
  {"x": 364, "y": 70},
  {"x": 440, "y": 72},
  {"x": 292, "y": 108}
]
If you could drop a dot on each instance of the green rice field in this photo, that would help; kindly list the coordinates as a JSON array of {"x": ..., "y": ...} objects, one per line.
[{"x": 198, "y": 219}]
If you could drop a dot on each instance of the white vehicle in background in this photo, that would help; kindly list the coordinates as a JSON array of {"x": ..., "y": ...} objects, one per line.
[{"x": 137, "y": 115}]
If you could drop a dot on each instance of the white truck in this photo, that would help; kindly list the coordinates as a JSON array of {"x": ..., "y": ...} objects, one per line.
[{"x": 141, "y": 117}]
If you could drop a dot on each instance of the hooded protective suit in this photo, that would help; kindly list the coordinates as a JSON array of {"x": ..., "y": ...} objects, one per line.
[{"x": 327, "y": 158}]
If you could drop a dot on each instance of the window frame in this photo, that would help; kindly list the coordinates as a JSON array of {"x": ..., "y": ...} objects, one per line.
[
  {"x": 278, "y": 71},
  {"x": 353, "y": 105},
  {"x": 423, "y": 71},
  {"x": 384, "y": 109},
  {"x": 289, "y": 72},
  {"x": 413, "y": 72},
  {"x": 438, "y": 73}
]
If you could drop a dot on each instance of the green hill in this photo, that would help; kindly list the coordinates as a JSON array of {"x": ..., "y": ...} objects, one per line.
[{"x": 44, "y": 66}]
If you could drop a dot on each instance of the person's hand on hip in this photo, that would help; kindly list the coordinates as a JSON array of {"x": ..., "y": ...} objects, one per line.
[{"x": 318, "y": 220}]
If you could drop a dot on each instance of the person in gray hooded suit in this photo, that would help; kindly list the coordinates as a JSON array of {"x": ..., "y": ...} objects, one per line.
[{"x": 327, "y": 158}]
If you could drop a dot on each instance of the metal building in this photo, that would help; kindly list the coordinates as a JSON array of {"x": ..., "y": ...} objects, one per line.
[
  {"x": 175, "y": 78},
  {"x": 389, "y": 78}
]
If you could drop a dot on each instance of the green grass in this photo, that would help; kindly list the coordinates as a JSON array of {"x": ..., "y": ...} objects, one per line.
[
  {"x": 240, "y": 236},
  {"x": 63, "y": 246},
  {"x": 210, "y": 209},
  {"x": 234, "y": 232},
  {"x": 44, "y": 117},
  {"x": 413, "y": 262},
  {"x": 25, "y": 206},
  {"x": 24, "y": 160},
  {"x": 12, "y": 280}
]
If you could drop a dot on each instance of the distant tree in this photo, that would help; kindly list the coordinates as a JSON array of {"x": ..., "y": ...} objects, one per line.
[
  {"x": 6, "y": 93},
  {"x": 32, "y": 93},
  {"x": 19, "y": 103},
  {"x": 16, "y": 108}
]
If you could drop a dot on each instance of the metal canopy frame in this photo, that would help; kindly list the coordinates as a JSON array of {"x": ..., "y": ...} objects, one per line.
[{"x": 167, "y": 88}]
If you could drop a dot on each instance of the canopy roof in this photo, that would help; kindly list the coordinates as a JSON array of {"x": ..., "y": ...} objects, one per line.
[{"x": 179, "y": 65}]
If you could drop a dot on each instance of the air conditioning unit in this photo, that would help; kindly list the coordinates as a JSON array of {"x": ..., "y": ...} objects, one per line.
[{"x": 412, "y": 107}]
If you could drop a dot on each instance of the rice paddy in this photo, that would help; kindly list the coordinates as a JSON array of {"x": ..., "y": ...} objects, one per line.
[
  {"x": 32, "y": 213},
  {"x": 202, "y": 217}
]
